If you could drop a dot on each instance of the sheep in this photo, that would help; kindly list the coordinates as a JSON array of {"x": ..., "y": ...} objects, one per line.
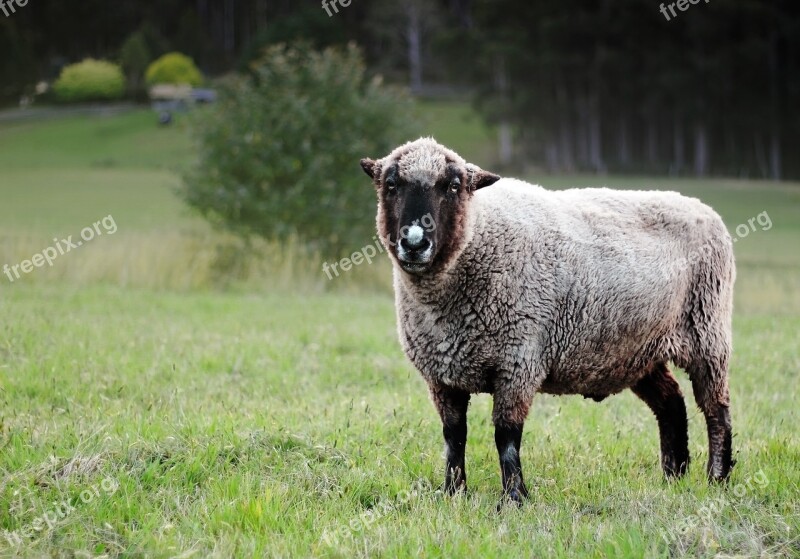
[{"x": 519, "y": 290}]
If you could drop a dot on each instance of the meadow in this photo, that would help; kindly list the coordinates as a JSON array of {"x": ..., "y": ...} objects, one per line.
[{"x": 167, "y": 391}]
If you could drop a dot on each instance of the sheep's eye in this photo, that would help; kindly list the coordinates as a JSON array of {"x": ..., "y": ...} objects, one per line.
[
  {"x": 455, "y": 184},
  {"x": 391, "y": 184}
]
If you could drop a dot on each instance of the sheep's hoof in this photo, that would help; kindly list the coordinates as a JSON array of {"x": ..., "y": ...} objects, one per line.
[
  {"x": 451, "y": 489},
  {"x": 718, "y": 479},
  {"x": 720, "y": 474},
  {"x": 674, "y": 468},
  {"x": 515, "y": 496}
]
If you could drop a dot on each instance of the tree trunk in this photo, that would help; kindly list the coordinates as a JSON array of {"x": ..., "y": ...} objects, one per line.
[
  {"x": 506, "y": 143},
  {"x": 565, "y": 151},
  {"x": 652, "y": 140},
  {"x": 700, "y": 149},
  {"x": 461, "y": 10},
  {"x": 761, "y": 156},
  {"x": 678, "y": 146},
  {"x": 505, "y": 135},
  {"x": 229, "y": 25},
  {"x": 414, "y": 38},
  {"x": 582, "y": 133},
  {"x": 623, "y": 150},
  {"x": 775, "y": 163},
  {"x": 551, "y": 157},
  {"x": 595, "y": 137},
  {"x": 261, "y": 14}
]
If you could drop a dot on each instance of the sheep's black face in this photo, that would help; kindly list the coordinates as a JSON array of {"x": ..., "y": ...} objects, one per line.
[
  {"x": 416, "y": 215},
  {"x": 423, "y": 198}
]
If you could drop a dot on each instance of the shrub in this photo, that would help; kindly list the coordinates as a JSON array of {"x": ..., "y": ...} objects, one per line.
[
  {"x": 90, "y": 80},
  {"x": 306, "y": 24},
  {"x": 135, "y": 57},
  {"x": 174, "y": 68},
  {"x": 280, "y": 150}
]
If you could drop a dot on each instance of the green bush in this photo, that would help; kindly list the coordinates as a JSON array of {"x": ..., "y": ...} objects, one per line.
[
  {"x": 174, "y": 68},
  {"x": 135, "y": 57},
  {"x": 90, "y": 80},
  {"x": 280, "y": 149}
]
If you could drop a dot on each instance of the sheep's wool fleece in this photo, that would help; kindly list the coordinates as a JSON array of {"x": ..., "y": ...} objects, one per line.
[{"x": 579, "y": 291}]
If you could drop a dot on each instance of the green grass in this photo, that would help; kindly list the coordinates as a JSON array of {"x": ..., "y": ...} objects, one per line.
[
  {"x": 459, "y": 127},
  {"x": 60, "y": 175},
  {"x": 256, "y": 421},
  {"x": 130, "y": 140},
  {"x": 249, "y": 425}
]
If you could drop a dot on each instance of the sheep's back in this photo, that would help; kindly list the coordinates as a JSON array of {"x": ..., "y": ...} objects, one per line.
[{"x": 616, "y": 268}]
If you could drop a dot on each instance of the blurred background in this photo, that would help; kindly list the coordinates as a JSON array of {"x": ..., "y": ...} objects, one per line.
[{"x": 224, "y": 136}]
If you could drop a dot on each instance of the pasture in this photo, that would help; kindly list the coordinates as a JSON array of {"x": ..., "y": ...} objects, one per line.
[{"x": 166, "y": 391}]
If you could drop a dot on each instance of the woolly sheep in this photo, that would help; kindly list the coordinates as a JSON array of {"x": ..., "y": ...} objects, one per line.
[{"x": 519, "y": 290}]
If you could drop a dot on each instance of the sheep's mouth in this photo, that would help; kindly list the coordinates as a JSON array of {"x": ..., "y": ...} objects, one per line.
[
  {"x": 415, "y": 267},
  {"x": 415, "y": 262}
]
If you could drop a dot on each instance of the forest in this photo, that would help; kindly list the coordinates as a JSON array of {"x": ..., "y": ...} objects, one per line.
[{"x": 571, "y": 86}]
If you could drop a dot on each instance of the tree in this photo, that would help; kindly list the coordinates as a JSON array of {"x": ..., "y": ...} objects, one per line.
[
  {"x": 615, "y": 85},
  {"x": 135, "y": 57},
  {"x": 402, "y": 33},
  {"x": 281, "y": 148}
]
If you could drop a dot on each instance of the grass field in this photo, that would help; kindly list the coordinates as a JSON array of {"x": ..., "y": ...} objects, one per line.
[{"x": 144, "y": 412}]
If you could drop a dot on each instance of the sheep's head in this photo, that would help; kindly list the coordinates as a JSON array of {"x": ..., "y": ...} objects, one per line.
[{"x": 424, "y": 192}]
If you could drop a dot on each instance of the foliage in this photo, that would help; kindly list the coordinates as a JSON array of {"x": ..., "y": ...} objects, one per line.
[
  {"x": 135, "y": 57},
  {"x": 174, "y": 68},
  {"x": 157, "y": 44},
  {"x": 280, "y": 151},
  {"x": 18, "y": 62},
  {"x": 193, "y": 39},
  {"x": 90, "y": 80},
  {"x": 396, "y": 27},
  {"x": 307, "y": 24},
  {"x": 585, "y": 86},
  {"x": 591, "y": 88},
  {"x": 135, "y": 54}
]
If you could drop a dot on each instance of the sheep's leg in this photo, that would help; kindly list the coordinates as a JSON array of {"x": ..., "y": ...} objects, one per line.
[
  {"x": 662, "y": 393},
  {"x": 720, "y": 460},
  {"x": 509, "y": 418},
  {"x": 710, "y": 387},
  {"x": 452, "y": 407},
  {"x": 508, "y": 439}
]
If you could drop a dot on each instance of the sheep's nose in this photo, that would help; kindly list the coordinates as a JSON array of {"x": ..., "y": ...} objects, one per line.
[{"x": 415, "y": 239}]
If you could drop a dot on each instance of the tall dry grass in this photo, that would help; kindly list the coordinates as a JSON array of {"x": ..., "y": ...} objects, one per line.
[
  {"x": 203, "y": 259},
  {"x": 189, "y": 260}
]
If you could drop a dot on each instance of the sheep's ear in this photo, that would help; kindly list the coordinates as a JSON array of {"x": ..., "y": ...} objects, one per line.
[
  {"x": 370, "y": 167},
  {"x": 480, "y": 178}
]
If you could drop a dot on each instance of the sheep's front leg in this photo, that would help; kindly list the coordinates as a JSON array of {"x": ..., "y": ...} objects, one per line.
[
  {"x": 452, "y": 406},
  {"x": 509, "y": 414}
]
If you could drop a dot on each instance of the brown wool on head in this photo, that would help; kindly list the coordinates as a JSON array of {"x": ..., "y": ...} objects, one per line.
[{"x": 424, "y": 161}]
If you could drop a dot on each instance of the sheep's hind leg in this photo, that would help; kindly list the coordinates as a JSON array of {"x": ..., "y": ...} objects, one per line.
[
  {"x": 661, "y": 392},
  {"x": 509, "y": 418},
  {"x": 710, "y": 386},
  {"x": 720, "y": 460},
  {"x": 452, "y": 406}
]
